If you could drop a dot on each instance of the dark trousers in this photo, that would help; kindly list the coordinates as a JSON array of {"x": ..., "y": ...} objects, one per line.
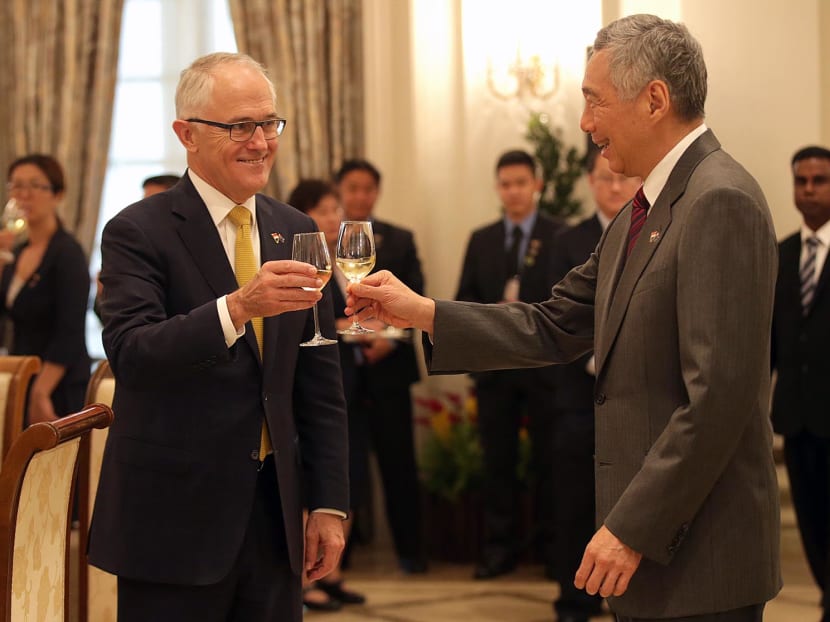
[
  {"x": 574, "y": 511},
  {"x": 259, "y": 588},
  {"x": 385, "y": 413},
  {"x": 504, "y": 398},
  {"x": 753, "y": 613},
  {"x": 808, "y": 467}
]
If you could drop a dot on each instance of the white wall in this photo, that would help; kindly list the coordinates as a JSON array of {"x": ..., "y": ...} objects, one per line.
[{"x": 433, "y": 127}]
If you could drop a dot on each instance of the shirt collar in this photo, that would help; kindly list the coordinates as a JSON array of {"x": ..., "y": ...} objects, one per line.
[
  {"x": 218, "y": 205},
  {"x": 823, "y": 234},
  {"x": 604, "y": 221},
  {"x": 525, "y": 225},
  {"x": 656, "y": 180}
]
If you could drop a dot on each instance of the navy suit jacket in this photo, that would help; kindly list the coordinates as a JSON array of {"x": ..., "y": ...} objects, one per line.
[
  {"x": 395, "y": 251},
  {"x": 799, "y": 348},
  {"x": 180, "y": 466},
  {"x": 573, "y": 247},
  {"x": 484, "y": 273}
]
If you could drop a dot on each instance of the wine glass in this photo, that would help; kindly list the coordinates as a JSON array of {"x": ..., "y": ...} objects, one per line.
[
  {"x": 311, "y": 248},
  {"x": 355, "y": 258},
  {"x": 13, "y": 220}
]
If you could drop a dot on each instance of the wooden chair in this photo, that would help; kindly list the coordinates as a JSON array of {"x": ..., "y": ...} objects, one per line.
[
  {"x": 16, "y": 373},
  {"x": 97, "y": 590},
  {"x": 36, "y": 492}
]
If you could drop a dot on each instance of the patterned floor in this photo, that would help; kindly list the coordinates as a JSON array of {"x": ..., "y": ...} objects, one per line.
[{"x": 447, "y": 594}]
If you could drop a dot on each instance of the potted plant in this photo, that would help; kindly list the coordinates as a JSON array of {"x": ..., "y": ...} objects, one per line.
[{"x": 561, "y": 167}]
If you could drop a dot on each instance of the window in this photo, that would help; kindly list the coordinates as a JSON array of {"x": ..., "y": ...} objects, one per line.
[{"x": 159, "y": 38}]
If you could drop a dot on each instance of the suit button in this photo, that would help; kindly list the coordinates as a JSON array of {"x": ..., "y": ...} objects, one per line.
[
  {"x": 804, "y": 368},
  {"x": 600, "y": 399},
  {"x": 255, "y": 455}
]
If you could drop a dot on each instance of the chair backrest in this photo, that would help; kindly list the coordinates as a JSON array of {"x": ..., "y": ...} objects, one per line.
[
  {"x": 97, "y": 590},
  {"x": 16, "y": 373},
  {"x": 36, "y": 492}
]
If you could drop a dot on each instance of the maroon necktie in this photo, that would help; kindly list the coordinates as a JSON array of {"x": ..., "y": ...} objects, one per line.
[{"x": 639, "y": 211}]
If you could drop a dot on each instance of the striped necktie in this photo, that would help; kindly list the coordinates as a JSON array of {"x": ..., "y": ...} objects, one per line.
[
  {"x": 639, "y": 211},
  {"x": 245, "y": 266},
  {"x": 807, "y": 274}
]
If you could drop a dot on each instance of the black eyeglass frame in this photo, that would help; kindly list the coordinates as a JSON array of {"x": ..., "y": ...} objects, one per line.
[{"x": 280, "y": 125}]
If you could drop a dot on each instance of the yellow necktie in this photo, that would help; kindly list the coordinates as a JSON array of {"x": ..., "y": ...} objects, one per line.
[{"x": 245, "y": 267}]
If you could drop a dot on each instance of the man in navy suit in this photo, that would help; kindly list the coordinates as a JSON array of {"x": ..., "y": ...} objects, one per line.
[
  {"x": 385, "y": 370},
  {"x": 509, "y": 260},
  {"x": 199, "y": 508},
  {"x": 573, "y": 401},
  {"x": 800, "y": 344}
]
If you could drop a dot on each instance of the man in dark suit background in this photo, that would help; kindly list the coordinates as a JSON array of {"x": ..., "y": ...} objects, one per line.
[
  {"x": 386, "y": 368},
  {"x": 801, "y": 357},
  {"x": 199, "y": 508},
  {"x": 573, "y": 400},
  {"x": 676, "y": 301},
  {"x": 509, "y": 260}
]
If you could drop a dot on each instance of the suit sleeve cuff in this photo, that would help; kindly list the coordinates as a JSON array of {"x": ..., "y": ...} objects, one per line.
[
  {"x": 330, "y": 511},
  {"x": 228, "y": 329}
]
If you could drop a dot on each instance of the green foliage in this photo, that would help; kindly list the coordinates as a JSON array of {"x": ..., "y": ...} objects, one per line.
[
  {"x": 450, "y": 460},
  {"x": 561, "y": 167},
  {"x": 453, "y": 466}
]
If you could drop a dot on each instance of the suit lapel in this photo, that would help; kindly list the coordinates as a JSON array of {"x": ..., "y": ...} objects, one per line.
[
  {"x": 200, "y": 237},
  {"x": 821, "y": 284},
  {"x": 275, "y": 244},
  {"x": 628, "y": 272}
]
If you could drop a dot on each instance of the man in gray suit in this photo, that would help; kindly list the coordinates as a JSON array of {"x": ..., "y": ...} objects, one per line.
[{"x": 676, "y": 302}]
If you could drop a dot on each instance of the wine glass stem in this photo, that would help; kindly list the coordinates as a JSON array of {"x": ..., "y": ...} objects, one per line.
[
  {"x": 355, "y": 324},
  {"x": 316, "y": 323}
]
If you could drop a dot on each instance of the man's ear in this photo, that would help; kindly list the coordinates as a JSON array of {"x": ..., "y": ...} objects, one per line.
[
  {"x": 184, "y": 131},
  {"x": 658, "y": 99}
]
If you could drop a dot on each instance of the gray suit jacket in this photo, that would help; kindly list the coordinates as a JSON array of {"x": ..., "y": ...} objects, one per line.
[{"x": 681, "y": 331}]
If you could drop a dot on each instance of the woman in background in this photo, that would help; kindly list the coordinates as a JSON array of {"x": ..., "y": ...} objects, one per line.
[
  {"x": 319, "y": 200},
  {"x": 44, "y": 290}
]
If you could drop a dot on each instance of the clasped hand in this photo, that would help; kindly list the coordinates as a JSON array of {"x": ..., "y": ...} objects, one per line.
[{"x": 276, "y": 288}]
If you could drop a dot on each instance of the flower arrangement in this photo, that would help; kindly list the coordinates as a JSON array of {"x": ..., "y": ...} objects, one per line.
[{"x": 450, "y": 459}]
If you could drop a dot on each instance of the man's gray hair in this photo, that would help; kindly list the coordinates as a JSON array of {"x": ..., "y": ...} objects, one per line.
[
  {"x": 196, "y": 82},
  {"x": 643, "y": 48}
]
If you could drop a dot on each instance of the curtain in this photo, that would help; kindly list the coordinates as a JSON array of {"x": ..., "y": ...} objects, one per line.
[
  {"x": 313, "y": 52},
  {"x": 57, "y": 84}
]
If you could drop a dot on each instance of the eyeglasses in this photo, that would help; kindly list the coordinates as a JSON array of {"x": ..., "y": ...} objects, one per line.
[
  {"x": 34, "y": 187},
  {"x": 244, "y": 130}
]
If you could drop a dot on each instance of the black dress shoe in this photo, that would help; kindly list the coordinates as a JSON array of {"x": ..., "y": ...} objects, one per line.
[
  {"x": 491, "y": 570},
  {"x": 331, "y": 604},
  {"x": 335, "y": 591}
]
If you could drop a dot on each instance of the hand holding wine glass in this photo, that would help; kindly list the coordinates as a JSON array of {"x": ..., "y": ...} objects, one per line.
[
  {"x": 311, "y": 248},
  {"x": 355, "y": 258}
]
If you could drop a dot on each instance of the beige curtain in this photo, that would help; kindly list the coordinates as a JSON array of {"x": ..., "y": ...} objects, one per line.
[
  {"x": 313, "y": 52},
  {"x": 58, "y": 63}
]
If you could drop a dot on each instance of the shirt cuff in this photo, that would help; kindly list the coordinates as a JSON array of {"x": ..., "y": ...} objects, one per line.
[
  {"x": 228, "y": 329},
  {"x": 330, "y": 511}
]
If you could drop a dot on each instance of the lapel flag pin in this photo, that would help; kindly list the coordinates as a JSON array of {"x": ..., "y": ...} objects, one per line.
[
  {"x": 277, "y": 237},
  {"x": 655, "y": 235}
]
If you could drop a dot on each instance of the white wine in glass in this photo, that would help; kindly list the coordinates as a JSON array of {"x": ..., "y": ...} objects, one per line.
[
  {"x": 311, "y": 248},
  {"x": 13, "y": 218},
  {"x": 355, "y": 258}
]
